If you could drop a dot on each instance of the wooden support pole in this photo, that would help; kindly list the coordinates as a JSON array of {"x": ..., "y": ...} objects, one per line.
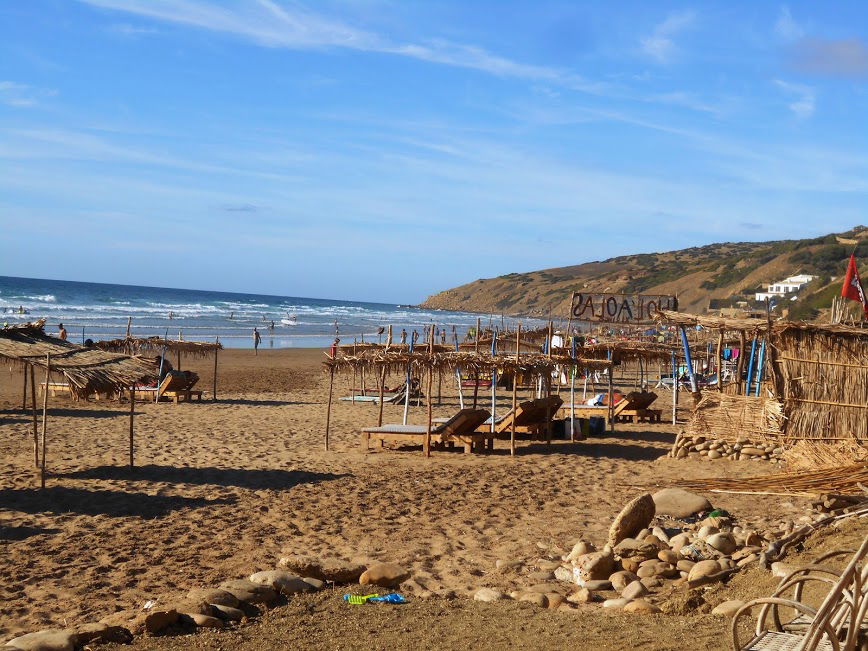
[
  {"x": 548, "y": 403},
  {"x": 24, "y": 395},
  {"x": 611, "y": 395},
  {"x": 132, "y": 417},
  {"x": 329, "y": 408},
  {"x": 180, "y": 337},
  {"x": 742, "y": 342},
  {"x": 214, "y": 385},
  {"x": 35, "y": 423},
  {"x": 719, "y": 361},
  {"x": 382, "y": 390},
  {"x": 430, "y": 383},
  {"x": 45, "y": 420},
  {"x": 515, "y": 390}
]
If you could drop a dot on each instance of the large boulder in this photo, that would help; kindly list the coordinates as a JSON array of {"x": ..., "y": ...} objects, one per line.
[
  {"x": 284, "y": 582},
  {"x": 634, "y": 517},
  {"x": 47, "y": 640},
  {"x": 385, "y": 575},
  {"x": 249, "y": 592},
  {"x": 679, "y": 503}
]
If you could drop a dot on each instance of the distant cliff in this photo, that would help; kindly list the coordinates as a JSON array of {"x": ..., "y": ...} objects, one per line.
[{"x": 721, "y": 274}]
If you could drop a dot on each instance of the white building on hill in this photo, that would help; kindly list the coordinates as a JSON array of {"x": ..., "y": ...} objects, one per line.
[{"x": 786, "y": 286}]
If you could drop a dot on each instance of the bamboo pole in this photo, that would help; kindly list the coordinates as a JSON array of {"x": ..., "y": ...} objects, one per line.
[
  {"x": 180, "y": 337},
  {"x": 742, "y": 342},
  {"x": 45, "y": 420},
  {"x": 458, "y": 372},
  {"x": 674, "y": 388},
  {"x": 493, "y": 386},
  {"x": 329, "y": 408},
  {"x": 719, "y": 361},
  {"x": 35, "y": 423},
  {"x": 573, "y": 370},
  {"x": 132, "y": 417},
  {"x": 611, "y": 400},
  {"x": 548, "y": 406},
  {"x": 24, "y": 394},
  {"x": 214, "y": 386},
  {"x": 515, "y": 391},
  {"x": 382, "y": 389},
  {"x": 407, "y": 384},
  {"x": 430, "y": 382}
]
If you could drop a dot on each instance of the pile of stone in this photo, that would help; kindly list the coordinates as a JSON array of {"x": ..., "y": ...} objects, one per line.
[
  {"x": 232, "y": 601},
  {"x": 695, "y": 447},
  {"x": 642, "y": 563}
]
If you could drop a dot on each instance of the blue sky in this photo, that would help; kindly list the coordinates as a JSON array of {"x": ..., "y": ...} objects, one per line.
[{"x": 384, "y": 150}]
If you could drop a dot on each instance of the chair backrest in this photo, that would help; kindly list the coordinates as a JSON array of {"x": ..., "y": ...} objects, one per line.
[
  {"x": 174, "y": 381},
  {"x": 538, "y": 410},
  {"x": 465, "y": 421},
  {"x": 637, "y": 400}
]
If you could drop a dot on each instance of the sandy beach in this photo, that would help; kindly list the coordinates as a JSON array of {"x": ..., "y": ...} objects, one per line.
[{"x": 222, "y": 489}]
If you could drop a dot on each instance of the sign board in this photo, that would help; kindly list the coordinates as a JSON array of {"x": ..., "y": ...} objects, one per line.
[{"x": 629, "y": 309}]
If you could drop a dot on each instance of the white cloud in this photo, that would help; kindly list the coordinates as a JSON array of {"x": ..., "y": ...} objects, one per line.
[
  {"x": 660, "y": 44},
  {"x": 294, "y": 27},
  {"x": 22, "y": 95},
  {"x": 786, "y": 27},
  {"x": 805, "y": 98}
]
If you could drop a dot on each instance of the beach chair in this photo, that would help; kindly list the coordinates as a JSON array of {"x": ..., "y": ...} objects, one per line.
[
  {"x": 55, "y": 389},
  {"x": 601, "y": 411},
  {"x": 839, "y": 622},
  {"x": 177, "y": 386},
  {"x": 461, "y": 428},
  {"x": 637, "y": 408},
  {"x": 531, "y": 418}
]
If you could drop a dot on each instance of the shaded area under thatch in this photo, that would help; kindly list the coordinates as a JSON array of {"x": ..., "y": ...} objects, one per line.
[
  {"x": 87, "y": 370},
  {"x": 156, "y": 345}
]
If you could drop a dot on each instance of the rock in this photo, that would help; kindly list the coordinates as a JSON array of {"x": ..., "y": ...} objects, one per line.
[
  {"x": 534, "y": 598},
  {"x": 301, "y": 565},
  {"x": 744, "y": 552},
  {"x": 622, "y": 579},
  {"x": 102, "y": 633},
  {"x": 632, "y": 564},
  {"x": 722, "y": 542},
  {"x": 581, "y": 596},
  {"x": 752, "y": 452},
  {"x": 635, "y": 590},
  {"x": 564, "y": 574},
  {"x": 707, "y": 531},
  {"x": 661, "y": 534},
  {"x": 668, "y": 556},
  {"x": 154, "y": 620},
  {"x": 598, "y": 585},
  {"x": 316, "y": 584},
  {"x": 596, "y": 565},
  {"x": 679, "y": 541},
  {"x": 541, "y": 575},
  {"x": 282, "y": 581},
  {"x": 228, "y": 613},
  {"x": 249, "y": 592},
  {"x": 338, "y": 571},
  {"x": 190, "y": 606},
  {"x": 580, "y": 549},
  {"x": 202, "y": 621},
  {"x": 488, "y": 594},
  {"x": 641, "y": 607},
  {"x": 728, "y": 608},
  {"x": 679, "y": 503},
  {"x": 385, "y": 575},
  {"x": 666, "y": 570},
  {"x": 50, "y": 639},
  {"x": 752, "y": 539},
  {"x": 684, "y": 565},
  {"x": 634, "y": 517},
  {"x": 547, "y": 565},
  {"x": 747, "y": 560},
  {"x": 213, "y": 596},
  {"x": 703, "y": 568},
  {"x": 615, "y": 603},
  {"x": 647, "y": 571},
  {"x": 544, "y": 588},
  {"x": 554, "y": 600},
  {"x": 651, "y": 582},
  {"x": 714, "y": 454}
]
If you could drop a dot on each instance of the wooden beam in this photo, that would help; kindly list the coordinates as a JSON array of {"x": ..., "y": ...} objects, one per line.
[
  {"x": 214, "y": 386},
  {"x": 45, "y": 420},
  {"x": 132, "y": 417},
  {"x": 35, "y": 424},
  {"x": 329, "y": 408}
]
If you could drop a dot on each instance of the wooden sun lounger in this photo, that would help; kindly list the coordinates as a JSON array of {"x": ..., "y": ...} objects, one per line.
[
  {"x": 55, "y": 389},
  {"x": 601, "y": 411},
  {"x": 637, "y": 408},
  {"x": 531, "y": 418},
  {"x": 175, "y": 386},
  {"x": 375, "y": 398},
  {"x": 461, "y": 428}
]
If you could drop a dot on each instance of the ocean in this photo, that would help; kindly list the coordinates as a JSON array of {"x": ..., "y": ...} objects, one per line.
[{"x": 101, "y": 311}]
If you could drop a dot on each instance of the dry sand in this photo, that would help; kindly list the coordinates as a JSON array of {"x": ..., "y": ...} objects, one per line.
[{"x": 224, "y": 489}]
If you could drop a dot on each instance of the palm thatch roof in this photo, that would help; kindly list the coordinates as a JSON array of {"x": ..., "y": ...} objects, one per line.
[
  {"x": 87, "y": 370},
  {"x": 156, "y": 345},
  {"x": 762, "y": 325}
]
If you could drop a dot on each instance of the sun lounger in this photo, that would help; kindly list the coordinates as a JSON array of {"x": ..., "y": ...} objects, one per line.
[
  {"x": 375, "y": 399},
  {"x": 55, "y": 389},
  {"x": 637, "y": 408},
  {"x": 601, "y": 411},
  {"x": 177, "y": 386},
  {"x": 461, "y": 428}
]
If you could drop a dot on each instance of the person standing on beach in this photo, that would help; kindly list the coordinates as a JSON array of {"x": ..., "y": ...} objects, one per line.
[
  {"x": 256, "y": 341},
  {"x": 62, "y": 331},
  {"x": 403, "y": 336}
]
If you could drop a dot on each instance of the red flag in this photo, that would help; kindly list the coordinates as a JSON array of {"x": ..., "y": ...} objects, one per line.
[{"x": 852, "y": 287}]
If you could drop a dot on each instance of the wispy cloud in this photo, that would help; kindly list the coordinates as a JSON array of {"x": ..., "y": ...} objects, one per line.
[
  {"x": 22, "y": 95},
  {"x": 786, "y": 27},
  {"x": 125, "y": 29},
  {"x": 295, "y": 27},
  {"x": 805, "y": 98},
  {"x": 241, "y": 207},
  {"x": 660, "y": 44},
  {"x": 830, "y": 57}
]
